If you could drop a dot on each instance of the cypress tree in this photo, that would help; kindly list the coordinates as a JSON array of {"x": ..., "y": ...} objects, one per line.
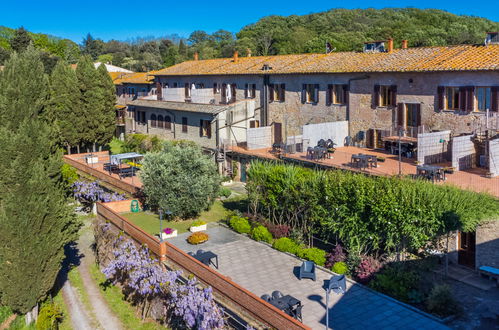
[
  {"x": 89, "y": 100},
  {"x": 35, "y": 220},
  {"x": 64, "y": 108},
  {"x": 107, "y": 122}
]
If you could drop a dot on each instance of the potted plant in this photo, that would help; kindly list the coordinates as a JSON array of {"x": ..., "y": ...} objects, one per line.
[
  {"x": 380, "y": 159},
  {"x": 197, "y": 225},
  {"x": 197, "y": 238},
  {"x": 168, "y": 233}
]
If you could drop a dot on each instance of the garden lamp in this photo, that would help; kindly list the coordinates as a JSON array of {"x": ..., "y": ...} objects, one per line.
[{"x": 338, "y": 285}]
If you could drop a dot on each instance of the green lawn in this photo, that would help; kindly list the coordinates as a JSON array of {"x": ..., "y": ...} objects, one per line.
[{"x": 149, "y": 221}]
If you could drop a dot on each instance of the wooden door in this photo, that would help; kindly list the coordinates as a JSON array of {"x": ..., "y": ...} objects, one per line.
[
  {"x": 466, "y": 249},
  {"x": 277, "y": 133}
]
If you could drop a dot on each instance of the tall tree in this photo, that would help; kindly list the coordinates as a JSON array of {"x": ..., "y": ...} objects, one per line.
[
  {"x": 64, "y": 108},
  {"x": 89, "y": 100},
  {"x": 92, "y": 47},
  {"x": 21, "y": 40},
  {"x": 35, "y": 220},
  {"x": 107, "y": 115}
]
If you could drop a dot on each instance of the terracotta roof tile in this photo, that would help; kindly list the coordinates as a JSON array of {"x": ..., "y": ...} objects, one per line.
[
  {"x": 449, "y": 58},
  {"x": 131, "y": 78}
]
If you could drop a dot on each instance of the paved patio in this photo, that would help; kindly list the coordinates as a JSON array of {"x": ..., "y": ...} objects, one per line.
[{"x": 261, "y": 269}]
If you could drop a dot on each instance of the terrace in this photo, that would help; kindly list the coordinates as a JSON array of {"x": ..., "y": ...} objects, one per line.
[{"x": 96, "y": 168}]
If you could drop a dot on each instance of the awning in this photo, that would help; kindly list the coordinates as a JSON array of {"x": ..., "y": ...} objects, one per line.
[{"x": 116, "y": 159}]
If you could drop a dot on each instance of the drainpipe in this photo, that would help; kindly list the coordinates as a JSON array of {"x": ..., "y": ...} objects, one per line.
[
  {"x": 265, "y": 116},
  {"x": 348, "y": 103}
]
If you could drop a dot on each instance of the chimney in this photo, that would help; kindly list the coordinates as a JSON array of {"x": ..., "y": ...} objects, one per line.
[
  {"x": 196, "y": 56},
  {"x": 236, "y": 56},
  {"x": 390, "y": 45},
  {"x": 248, "y": 51},
  {"x": 404, "y": 44}
]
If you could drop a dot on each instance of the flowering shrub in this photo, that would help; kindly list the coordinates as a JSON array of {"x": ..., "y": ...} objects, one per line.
[
  {"x": 90, "y": 192},
  {"x": 240, "y": 224},
  {"x": 198, "y": 238},
  {"x": 366, "y": 269},
  {"x": 337, "y": 255},
  {"x": 285, "y": 244},
  {"x": 142, "y": 275},
  {"x": 168, "y": 231},
  {"x": 313, "y": 254},
  {"x": 260, "y": 233}
]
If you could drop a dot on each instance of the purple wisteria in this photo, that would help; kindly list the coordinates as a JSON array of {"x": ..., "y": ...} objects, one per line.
[
  {"x": 137, "y": 271},
  {"x": 91, "y": 192}
]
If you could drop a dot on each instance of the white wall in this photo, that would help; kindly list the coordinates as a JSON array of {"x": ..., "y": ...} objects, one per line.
[
  {"x": 336, "y": 131},
  {"x": 463, "y": 152},
  {"x": 430, "y": 149},
  {"x": 494, "y": 157},
  {"x": 259, "y": 138},
  {"x": 173, "y": 94},
  {"x": 203, "y": 96}
]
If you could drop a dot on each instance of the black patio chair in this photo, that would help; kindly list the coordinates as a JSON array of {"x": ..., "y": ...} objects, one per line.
[
  {"x": 297, "y": 313},
  {"x": 266, "y": 297},
  {"x": 277, "y": 294},
  {"x": 322, "y": 143}
]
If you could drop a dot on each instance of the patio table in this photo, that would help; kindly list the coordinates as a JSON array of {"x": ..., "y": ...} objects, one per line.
[
  {"x": 286, "y": 303},
  {"x": 364, "y": 161},
  {"x": 207, "y": 258},
  {"x": 431, "y": 172}
]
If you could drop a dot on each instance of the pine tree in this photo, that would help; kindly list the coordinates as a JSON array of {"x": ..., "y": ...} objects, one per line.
[
  {"x": 35, "y": 220},
  {"x": 64, "y": 108},
  {"x": 107, "y": 122},
  {"x": 21, "y": 40},
  {"x": 90, "y": 100}
]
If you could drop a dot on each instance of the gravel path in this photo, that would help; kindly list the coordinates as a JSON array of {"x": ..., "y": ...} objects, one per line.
[
  {"x": 80, "y": 319},
  {"x": 106, "y": 318}
]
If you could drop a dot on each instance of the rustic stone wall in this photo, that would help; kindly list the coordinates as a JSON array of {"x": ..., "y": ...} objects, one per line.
[{"x": 487, "y": 244}]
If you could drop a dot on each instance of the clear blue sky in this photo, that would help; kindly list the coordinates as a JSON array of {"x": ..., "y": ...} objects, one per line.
[{"x": 123, "y": 19}]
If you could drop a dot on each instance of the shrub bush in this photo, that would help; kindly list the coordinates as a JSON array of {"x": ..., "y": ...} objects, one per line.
[
  {"x": 69, "y": 174},
  {"x": 278, "y": 231},
  {"x": 337, "y": 255},
  {"x": 240, "y": 224},
  {"x": 441, "y": 301},
  {"x": 260, "y": 233},
  {"x": 340, "y": 267},
  {"x": 285, "y": 244},
  {"x": 366, "y": 269},
  {"x": 49, "y": 317},
  {"x": 198, "y": 238},
  {"x": 198, "y": 223},
  {"x": 398, "y": 282},
  {"x": 224, "y": 192},
  {"x": 313, "y": 254}
]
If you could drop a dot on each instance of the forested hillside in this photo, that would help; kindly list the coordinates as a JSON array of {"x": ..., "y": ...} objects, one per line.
[{"x": 346, "y": 30}]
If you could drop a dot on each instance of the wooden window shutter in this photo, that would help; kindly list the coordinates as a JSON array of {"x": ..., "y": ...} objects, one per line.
[
  {"x": 304, "y": 93},
  {"x": 271, "y": 92},
  {"x": 208, "y": 130},
  {"x": 159, "y": 90},
  {"x": 462, "y": 98},
  {"x": 393, "y": 88},
  {"x": 418, "y": 115},
  {"x": 494, "y": 95},
  {"x": 400, "y": 114},
  {"x": 214, "y": 88},
  {"x": 440, "y": 97},
  {"x": 316, "y": 93},
  {"x": 253, "y": 90},
  {"x": 252, "y": 124},
  {"x": 345, "y": 94},
  {"x": 201, "y": 127},
  {"x": 329, "y": 95},
  {"x": 375, "y": 100},
  {"x": 470, "y": 97},
  {"x": 282, "y": 92},
  {"x": 246, "y": 91}
]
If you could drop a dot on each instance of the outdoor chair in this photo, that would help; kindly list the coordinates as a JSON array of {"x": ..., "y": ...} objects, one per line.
[
  {"x": 277, "y": 294},
  {"x": 266, "y": 297},
  {"x": 297, "y": 313},
  {"x": 307, "y": 270}
]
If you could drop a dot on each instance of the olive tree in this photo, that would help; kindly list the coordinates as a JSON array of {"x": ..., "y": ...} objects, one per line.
[{"x": 180, "y": 179}]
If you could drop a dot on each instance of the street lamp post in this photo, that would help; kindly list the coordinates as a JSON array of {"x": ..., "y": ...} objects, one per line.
[
  {"x": 338, "y": 285},
  {"x": 160, "y": 225}
]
